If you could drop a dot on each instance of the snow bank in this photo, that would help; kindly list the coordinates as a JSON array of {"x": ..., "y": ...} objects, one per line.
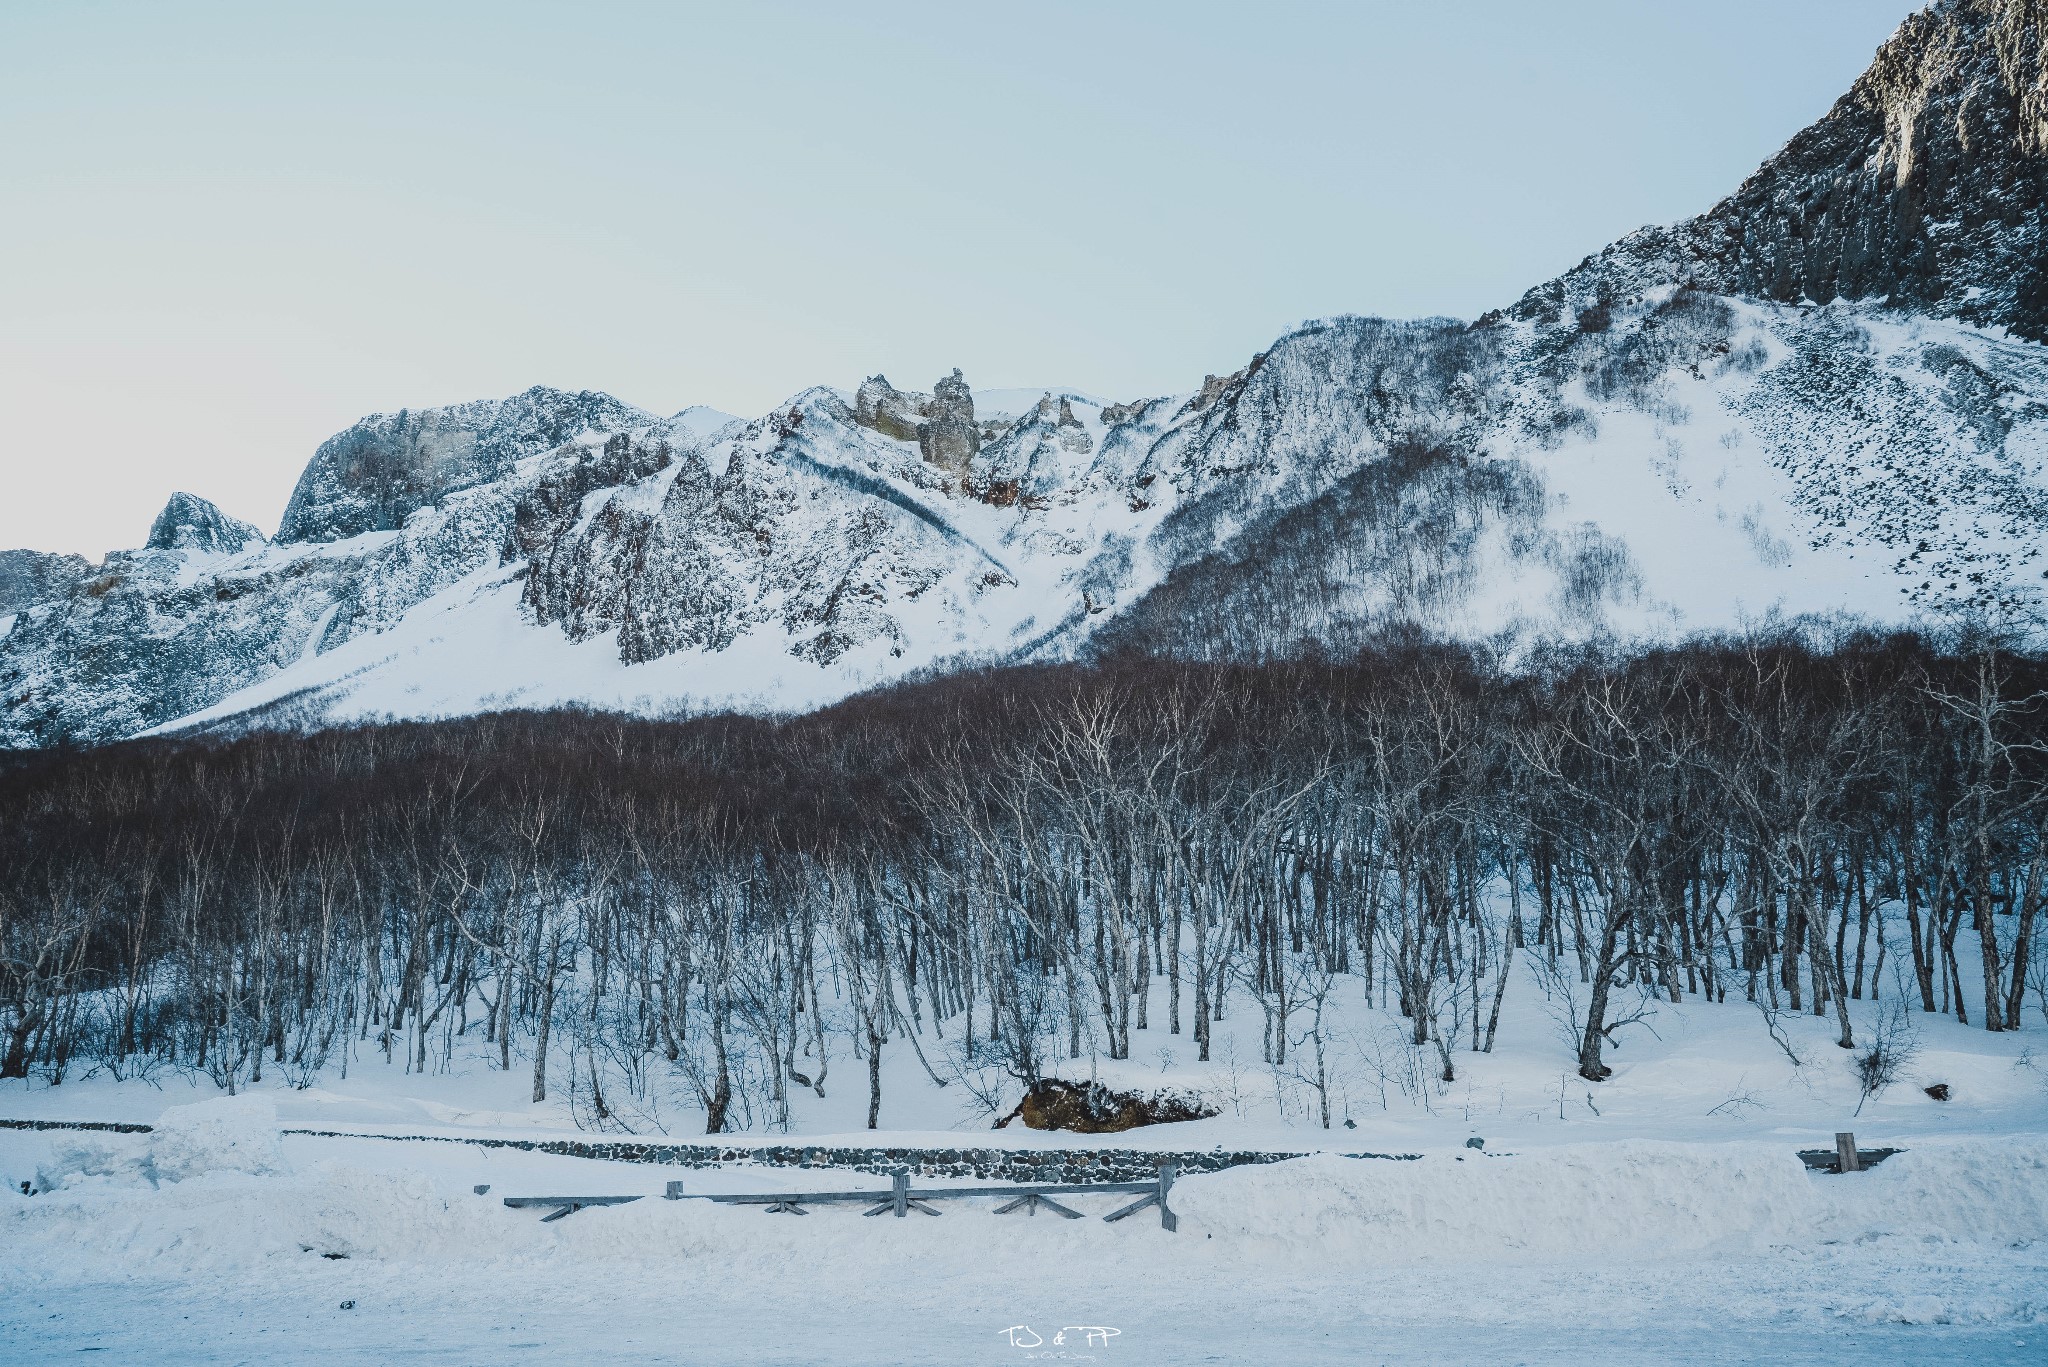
[
  {"x": 231, "y": 1135},
  {"x": 1981, "y": 1191},
  {"x": 1638, "y": 1199}
]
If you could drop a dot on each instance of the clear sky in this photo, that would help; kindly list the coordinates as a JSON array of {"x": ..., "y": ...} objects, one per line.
[{"x": 229, "y": 229}]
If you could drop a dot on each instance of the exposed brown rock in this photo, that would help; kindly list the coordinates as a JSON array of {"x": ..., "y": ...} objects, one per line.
[
  {"x": 895, "y": 413},
  {"x": 1091, "y": 1108},
  {"x": 1213, "y": 387}
]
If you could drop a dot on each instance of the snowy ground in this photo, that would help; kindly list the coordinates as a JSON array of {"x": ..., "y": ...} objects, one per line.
[
  {"x": 1652, "y": 1222},
  {"x": 1643, "y": 1250}
]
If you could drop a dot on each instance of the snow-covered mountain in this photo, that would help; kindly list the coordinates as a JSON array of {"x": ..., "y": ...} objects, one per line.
[{"x": 1829, "y": 394}]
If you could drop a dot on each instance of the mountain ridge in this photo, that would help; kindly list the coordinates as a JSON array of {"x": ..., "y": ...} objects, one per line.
[{"x": 1671, "y": 437}]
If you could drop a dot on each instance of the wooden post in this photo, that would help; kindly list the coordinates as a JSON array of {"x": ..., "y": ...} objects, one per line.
[
  {"x": 1845, "y": 1152},
  {"x": 900, "y": 1193},
  {"x": 1156, "y": 1197},
  {"x": 675, "y": 1191},
  {"x": 1031, "y": 1201}
]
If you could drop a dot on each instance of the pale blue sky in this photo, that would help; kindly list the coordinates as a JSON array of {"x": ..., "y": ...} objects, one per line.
[{"x": 229, "y": 229}]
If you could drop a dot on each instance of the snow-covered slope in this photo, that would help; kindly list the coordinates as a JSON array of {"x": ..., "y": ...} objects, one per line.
[
  {"x": 1672, "y": 437},
  {"x": 1695, "y": 462}
]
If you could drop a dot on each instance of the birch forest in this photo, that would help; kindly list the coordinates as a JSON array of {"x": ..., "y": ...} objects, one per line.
[{"x": 1005, "y": 872}]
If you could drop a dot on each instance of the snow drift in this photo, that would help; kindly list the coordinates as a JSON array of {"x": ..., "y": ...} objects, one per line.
[{"x": 1636, "y": 1199}]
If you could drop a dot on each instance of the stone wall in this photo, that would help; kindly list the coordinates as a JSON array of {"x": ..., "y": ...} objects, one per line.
[{"x": 988, "y": 1164}]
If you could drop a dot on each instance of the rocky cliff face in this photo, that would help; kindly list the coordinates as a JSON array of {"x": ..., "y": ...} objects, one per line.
[
  {"x": 1680, "y": 434},
  {"x": 1926, "y": 186},
  {"x": 379, "y": 472},
  {"x": 895, "y": 413},
  {"x": 31, "y": 577}
]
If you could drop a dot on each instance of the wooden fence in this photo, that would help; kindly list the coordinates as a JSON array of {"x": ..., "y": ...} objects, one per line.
[{"x": 899, "y": 1200}]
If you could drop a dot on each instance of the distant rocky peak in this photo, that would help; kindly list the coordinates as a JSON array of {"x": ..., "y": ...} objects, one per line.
[
  {"x": 1055, "y": 415},
  {"x": 191, "y": 523},
  {"x": 1215, "y": 387}
]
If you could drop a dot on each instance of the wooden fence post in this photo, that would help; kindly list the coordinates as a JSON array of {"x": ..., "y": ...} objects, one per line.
[
  {"x": 900, "y": 1192},
  {"x": 1845, "y": 1152},
  {"x": 675, "y": 1191},
  {"x": 1156, "y": 1197}
]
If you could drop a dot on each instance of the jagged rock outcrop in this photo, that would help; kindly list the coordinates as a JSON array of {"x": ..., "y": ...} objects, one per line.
[
  {"x": 382, "y": 470},
  {"x": 949, "y": 438},
  {"x": 1925, "y": 186},
  {"x": 941, "y": 422},
  {"x": 191, "y": 523},
  {"x": 1071, "y": 432},
  {"x": 894, "y": 413},
  {"x": 1215, "y": 387},
  {"x": 31, "y": 577}
]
